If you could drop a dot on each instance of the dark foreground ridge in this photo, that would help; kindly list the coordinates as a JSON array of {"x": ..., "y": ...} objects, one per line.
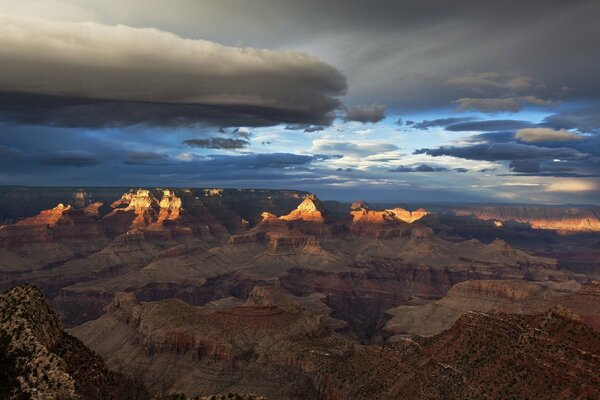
[{"x": 41, "y": 361}]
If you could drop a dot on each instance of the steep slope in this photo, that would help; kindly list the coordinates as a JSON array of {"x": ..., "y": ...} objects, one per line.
[
  {"x": 503, "y": 356},
  {"x": 213, "y": 349},
  {"x": 47, "y": 362},
  {"x": 261, "y": 346},
  {"x": 496, "y": 296}
]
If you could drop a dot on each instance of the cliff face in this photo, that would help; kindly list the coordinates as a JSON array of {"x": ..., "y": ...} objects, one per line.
[
  {"x": 547, "y": 355},
  {"x": 259, "y": 345},
  {"x": 555, "y": 218},
  {"x": 496, "y": 296},
  {"x": 48, "y": 363},
  {"x": 544, "y": 356}
]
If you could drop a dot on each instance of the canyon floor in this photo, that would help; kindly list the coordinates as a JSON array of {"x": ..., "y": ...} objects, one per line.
[{"x": 275, "y": 293}]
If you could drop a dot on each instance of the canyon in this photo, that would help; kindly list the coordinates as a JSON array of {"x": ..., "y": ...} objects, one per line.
[{"x": 210, "y": 291}]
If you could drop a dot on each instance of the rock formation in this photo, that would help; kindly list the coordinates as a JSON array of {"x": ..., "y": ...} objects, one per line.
[
  {"x": 495, "y": 296},
  {"x": 46, "y": 363},
  {"x": 555, "y": 218},
  {"x": 251, "y": 341},
  {"x": 311, "y": 209}
]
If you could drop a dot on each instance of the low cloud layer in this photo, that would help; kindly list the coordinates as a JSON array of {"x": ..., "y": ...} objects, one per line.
[
  {"x": 364, "y": 114},
  {"x": 68, "y": 158},
  {"x": 502, "y": 151},
  {"x": 534, "y": 135},
  {"x": 67, "y": 73},
  {"x": 419, "y": 168},
  {"x": 217, "y": 143},
  {"x": 357, "y": 149}
]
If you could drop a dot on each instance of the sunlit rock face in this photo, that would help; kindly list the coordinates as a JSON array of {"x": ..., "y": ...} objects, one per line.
[
  {"x": 311, "y": 209},
  {"x": 551, "y": 218},
  {"x": 382, "y": 223},
  {"x": 409, "y": 216},
  {"x": 170, "y": 206}
]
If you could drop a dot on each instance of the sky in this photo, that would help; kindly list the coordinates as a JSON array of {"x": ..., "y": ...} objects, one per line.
[{"x": 417, "y": 101}]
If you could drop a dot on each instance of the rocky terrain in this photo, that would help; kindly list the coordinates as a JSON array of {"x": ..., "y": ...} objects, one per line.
[
  {"x": 497, "y": 296},
  {"x": 41, "y": 361},
  {"x": 566, "y": 219},
  {"x": 256, "y": 291},
  {"x": 552, "y": 355}
]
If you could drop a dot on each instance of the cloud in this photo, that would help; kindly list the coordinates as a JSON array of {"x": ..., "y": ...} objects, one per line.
[
  {"x": 498, "y": 92},
  {"x": 489, "y": 125},
  {"x": 572, "y": 186},
  {"x": 419, "y": 168},
  {"x": 359, "y": 149},
  {"x": 323, "y": 157},
  {"x": 426, "y": 124},
  {"x": 68, "y": 158},
  {"x": 488, "y": 105},
  {"x": 241, "y": 132},
  {"x": 217, "y": 143},
  {"x": 503, "y": 151},
  {"x": 480, "y": 82},
  {"x": 364, "y": 114},
  {"x": 525, "y": 166},
  {"x": 535, "y": 135},
  {"x": 146, "y": 158},
  {"x": 584, "y": 119},
  {"x": 89, "y": 74},
  {"x": 258, "y": 161}
]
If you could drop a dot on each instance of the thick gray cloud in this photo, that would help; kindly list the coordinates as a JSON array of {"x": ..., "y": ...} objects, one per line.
[
  {"x": 364, "y": 114},
  {"x": 443, "y": 122},
  {"x": 89, "y": 72},
  {"x": 489, "y": 125},
  {"x": 217, "y": 143},
  {"x": 419, "y": 168},
  {"x": 584, "y": 119},
  {"x": 404, "y": 54},
  {"x": 304, "y": 127},
  {"x": 503, "y": 151},
  {"x": 69, "y": 158}
]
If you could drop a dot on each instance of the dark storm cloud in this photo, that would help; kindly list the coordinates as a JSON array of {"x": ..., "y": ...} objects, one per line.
[
  {"x": 69, "y": 158},
  {"x": 584, "y": 119},
  {"x": 419, "y": 168},
  {"x": 217, "y": 143},
  {"x": 100, "y": 75},
  {"x": 75, "y": 112},
  {"x": 526, "y": 166},
  {"x": 443, "y": 122},
  {"x": 564, "y": 168},
  {"x": 407, "y": 54},
  {"x": 364, "y": 114},
  {"x": 489, "y": 125},
  {"x": 503, "y": 151}
]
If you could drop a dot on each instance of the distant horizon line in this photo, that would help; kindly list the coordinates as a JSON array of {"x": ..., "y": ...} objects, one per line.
[{"x": 434, "y": 202}]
